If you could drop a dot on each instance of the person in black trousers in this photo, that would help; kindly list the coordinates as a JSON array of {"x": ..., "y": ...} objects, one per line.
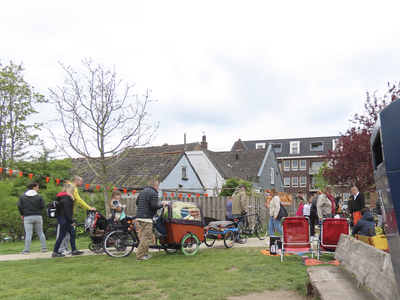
[{"x": 313, "y": 214}]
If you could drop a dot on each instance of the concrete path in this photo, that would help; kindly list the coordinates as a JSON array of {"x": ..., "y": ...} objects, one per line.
[{"x": 251, "y": 243}]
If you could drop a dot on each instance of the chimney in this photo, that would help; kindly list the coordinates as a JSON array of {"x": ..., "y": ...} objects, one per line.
[
  {"x": 204, "y": 142},
  {"x": 184, "y": 141}
]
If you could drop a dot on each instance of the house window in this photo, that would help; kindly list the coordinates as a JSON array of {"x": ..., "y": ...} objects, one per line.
[
  {"x": 315, "y": 165},
  {"x": 286, "y": 166},
  {"x": 313, "y": 182},
  {"x": 184, "y": 173},
  {"x": 286, "y": 181},
  {"x": 316, "y": 146},
  {"x": 302, "y": 165},
  {"x": 295, "y": 181},
  {"x": 303, "y": 182},
  {"x": 294, "y": 147},
  {"x": 334, "y": 144},
  {"x": 295, "y": 165},
  {"x": 260, "y": 145},
  {"x": 277, "y": 148},
  {"x": 272, "y": 174}
]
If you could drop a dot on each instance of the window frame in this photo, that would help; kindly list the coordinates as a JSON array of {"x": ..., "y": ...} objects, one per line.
[
  {"x": 305, "y": 181},
  {"x": 284, "y": 165},
  {"x": 284, "y": 181},
  {"x": 260, "y": 144},
  {"x": 293, "y": 167},
  {"x": 305, "y": 165},
  {"x": 297, "y": 181},
  {"x": 298, "y": 147},
  {"x": 317, "y": 142},
  {"x": 272, "y": 175},
  {"x": 280, "y": 148}
]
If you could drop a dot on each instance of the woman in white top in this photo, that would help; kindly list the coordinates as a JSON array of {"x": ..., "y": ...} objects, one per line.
[{"x": 274, "y": 207}]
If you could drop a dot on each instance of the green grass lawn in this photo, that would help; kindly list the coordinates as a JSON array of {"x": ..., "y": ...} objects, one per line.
[{"x": 209, "y": 274}]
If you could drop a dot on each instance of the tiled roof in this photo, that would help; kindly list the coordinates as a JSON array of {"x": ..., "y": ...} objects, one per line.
[
  {"x": 164, "y": 149},
  {"x": 243, "y": 164},
  {"x": 132, "y": 171}
]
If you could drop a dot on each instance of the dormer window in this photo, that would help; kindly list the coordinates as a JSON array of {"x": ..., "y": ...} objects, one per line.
[
  {"x": 294, "y": 147},
  {"x": 277, "y": 148},
  {"x": 260, "y": 145},
  {"x": 316, "y": 146}
]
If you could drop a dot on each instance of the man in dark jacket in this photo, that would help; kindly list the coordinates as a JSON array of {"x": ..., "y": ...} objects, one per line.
[
  {"x": 147, "y": 205},
  {"x": 357, "y": 205},
  {"x": 367, "y": 221},
  {"x": 30, "y": 205}
]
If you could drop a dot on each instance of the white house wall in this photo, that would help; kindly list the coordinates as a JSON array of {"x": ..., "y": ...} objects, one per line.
[
  {"x": 208, "y": 174},
  {"x": 174, "y": 179}
]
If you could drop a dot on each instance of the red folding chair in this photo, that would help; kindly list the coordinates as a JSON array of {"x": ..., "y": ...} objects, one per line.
[
  {"x": 296, "y": 236},
  {"x": 331, "y": 229}
]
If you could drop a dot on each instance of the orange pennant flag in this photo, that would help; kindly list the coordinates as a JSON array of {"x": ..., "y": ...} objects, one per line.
[
  {"x": 133, "y": 192},
  {"x": 1, "y": 170},
  {"x": 87, "y": 185},
  {"x": 172, "y": 194},
  {"x": 47, "y": 179},
  {"x": 30, "y": 176},
  {"x": 67, "y": 181},
  {"x": 10, "y": 171},
  {"x": 165, "y": 195},
  {"x": 189, "y": 195},
  {"x": 180, "y": 196},
  {"x": 108, "y": 188},
  {"x": 20, "y": 174},
  {"x": 115, "y": 188},
  {"x": 58, "y": 181},
  {"x": 97, "y": 187},
  {"x": 206, "y": 195},
  {"x": 197, "y": 195},
  {"x": 125, "y": 190}
]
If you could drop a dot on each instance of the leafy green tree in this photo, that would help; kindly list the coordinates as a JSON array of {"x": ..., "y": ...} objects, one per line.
[
  {"x": 16, "y": 105},
  {"x": 231, "y": 184},
  {"x": 319, "y": 179}
]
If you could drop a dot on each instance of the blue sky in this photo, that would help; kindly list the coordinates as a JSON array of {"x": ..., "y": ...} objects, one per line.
[{"x": 231, "y": 69}]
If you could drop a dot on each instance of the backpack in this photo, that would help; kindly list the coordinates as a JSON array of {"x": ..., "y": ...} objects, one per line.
[{"x": 51, "y": 209}]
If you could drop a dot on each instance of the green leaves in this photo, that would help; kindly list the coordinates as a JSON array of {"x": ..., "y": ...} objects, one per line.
[{"x": 16, "y": 105}]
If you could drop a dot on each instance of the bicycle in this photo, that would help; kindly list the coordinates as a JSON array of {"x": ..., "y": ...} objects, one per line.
[
  {"x": 241, "y": 235},
  {"x": 260, "y": 226},
  {"x": 51, "y": 230}
]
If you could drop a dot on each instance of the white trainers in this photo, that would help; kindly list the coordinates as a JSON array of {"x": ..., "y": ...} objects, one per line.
[
  {"x": 66, "y": 252},
  {"x": 267, "y": 243}
]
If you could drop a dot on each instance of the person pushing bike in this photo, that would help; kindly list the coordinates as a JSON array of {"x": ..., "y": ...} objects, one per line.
[{"x": 239, "y": 204}]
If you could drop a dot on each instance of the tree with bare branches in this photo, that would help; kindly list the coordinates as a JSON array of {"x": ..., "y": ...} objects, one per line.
[{"x": 100, "y": 118}]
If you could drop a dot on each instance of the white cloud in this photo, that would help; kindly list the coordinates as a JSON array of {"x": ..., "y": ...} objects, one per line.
[{"x": 231, "y": 69}]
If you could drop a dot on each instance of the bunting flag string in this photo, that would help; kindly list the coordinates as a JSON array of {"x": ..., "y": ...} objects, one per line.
[{"x": 87, "y": 185}]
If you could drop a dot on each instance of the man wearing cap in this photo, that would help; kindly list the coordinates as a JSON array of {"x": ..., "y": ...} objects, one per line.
[
  {"x": 313, "y": 213},
  {"x": 239, "y": 202}
]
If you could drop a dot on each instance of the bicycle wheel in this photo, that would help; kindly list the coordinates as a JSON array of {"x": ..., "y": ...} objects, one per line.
[
  {"x": 80, "y": 230},
  {"x": 261, "y": 229},
  {"x": 208, "y": 243},
  {"x": 51, "y": 232},
  {"x": 171, "y": 251},
  {"x": 190, "y": 244},
  {"x": 114, "y": 246},
  {"x": 241, "y": 238},
  {"x": 229, "y": 239}
]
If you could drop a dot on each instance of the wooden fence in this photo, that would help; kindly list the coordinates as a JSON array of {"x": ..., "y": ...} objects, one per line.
[{"x": 213, "y": 207}]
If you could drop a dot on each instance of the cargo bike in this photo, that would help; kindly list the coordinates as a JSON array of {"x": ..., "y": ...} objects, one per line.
[{"x": 184, "y": 230}]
